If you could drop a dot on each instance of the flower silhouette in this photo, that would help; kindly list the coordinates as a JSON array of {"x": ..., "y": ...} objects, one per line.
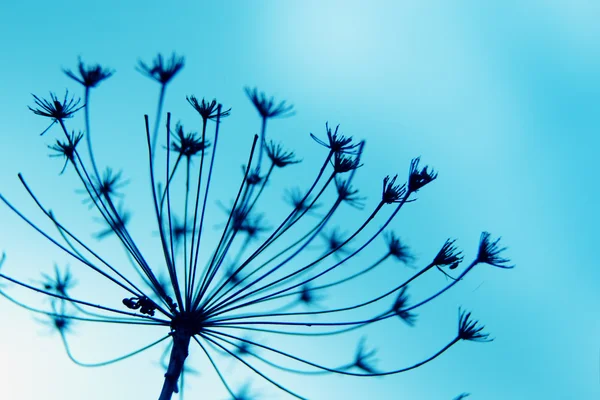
[
  {"x": 57, "y": 110},
  {"x": 212, "y": 291},
  {"x": 89, "y": 76}
]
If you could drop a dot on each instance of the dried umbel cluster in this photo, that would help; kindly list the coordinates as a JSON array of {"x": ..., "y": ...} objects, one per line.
[{"x": 256, "y": 282}]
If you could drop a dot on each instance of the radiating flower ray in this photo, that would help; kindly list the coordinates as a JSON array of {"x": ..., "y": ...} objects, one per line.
[
  {"x": 336, "y": 204},
  {"x": 467, "y": 330},
  {"x": 261, "y": 374},
  {"x": 132, "y": 288},
  {"x": 354, "y": 324}
]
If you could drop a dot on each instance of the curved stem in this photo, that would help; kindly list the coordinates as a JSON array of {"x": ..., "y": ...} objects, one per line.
[
  {"x": 320, "y": 371},
  {"x": 342, "y": 372},
  {"x": 86, "y": 112},
  {"x": 108, "y": 362},
  {"x": 215, "y": 367}
]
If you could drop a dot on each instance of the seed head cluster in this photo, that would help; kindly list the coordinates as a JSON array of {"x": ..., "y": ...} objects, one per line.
[{"x": 234, "y": 290}]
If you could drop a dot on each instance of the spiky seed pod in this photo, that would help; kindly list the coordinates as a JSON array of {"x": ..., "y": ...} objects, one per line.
[
  {"x": 109, "y": 184},
  {"x": 297, "y": 199},
  {"x": 342, "y": 163},
  {"x": 59, "y": 284},
  {"x": 363, "y": 358}
]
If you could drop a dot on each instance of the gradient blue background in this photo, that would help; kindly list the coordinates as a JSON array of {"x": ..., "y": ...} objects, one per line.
[{"x": 501, "y": 97}]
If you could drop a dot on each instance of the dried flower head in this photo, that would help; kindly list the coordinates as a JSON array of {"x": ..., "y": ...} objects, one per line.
[
  {"x": 55, "y": 109},
  {"x": 208, "y": 111},
  {"x": 58, "y": 319},
  {"x": 61, "y": 323},
  {"x": 337, "y": 143},
  {"x": 278, "y": 156},
  {"x": 180, "y": 230},
  {"x": 469, "y": 329},
  {"x": 400, "y": 305},
  {"x": 363, "y": 359},
  {"x": 187, "y": 144},
  {"x": 334, "y": 241},
  {"x": 243, "y": 346},
  {"x": 489, "y": 252},
  {"x": 342, "y": 163},
  {"x": 449, "y": 255},
  {"x": 162, "y": 70},
  {"x": 267, "y": 107},
  {"x": 392, "y": 193},
  {"x": 116, "y": 225},
  {"x": 348, "y": 194},
  {"x": 252, "y": 175},
  {"x": 252, "y": 225},
  {"x": 89, "y": 76},
  {"x": 418, "y": 178},
  {"x": 397, "y": 249},
  {"x": 66, "y": 149}
]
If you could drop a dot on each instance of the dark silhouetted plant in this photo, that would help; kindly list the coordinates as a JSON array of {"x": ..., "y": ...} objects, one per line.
[{"x": 257, "y": 279}]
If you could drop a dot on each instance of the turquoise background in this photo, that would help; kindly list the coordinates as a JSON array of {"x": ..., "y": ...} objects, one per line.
[{"x": 501, "y": 97}]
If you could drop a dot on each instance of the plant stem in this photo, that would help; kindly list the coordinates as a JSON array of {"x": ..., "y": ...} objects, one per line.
[{"x": 179, "y": 352}]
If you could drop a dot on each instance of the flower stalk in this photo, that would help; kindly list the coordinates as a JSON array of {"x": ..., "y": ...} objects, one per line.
[{"x": 179, "y": 353}]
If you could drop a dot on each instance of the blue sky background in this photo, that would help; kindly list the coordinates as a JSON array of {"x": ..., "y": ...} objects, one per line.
[{"x": 501, "y": 98}]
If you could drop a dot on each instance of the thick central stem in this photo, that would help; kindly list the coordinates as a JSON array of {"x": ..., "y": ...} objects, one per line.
[{"x": 179, "y": 352}]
